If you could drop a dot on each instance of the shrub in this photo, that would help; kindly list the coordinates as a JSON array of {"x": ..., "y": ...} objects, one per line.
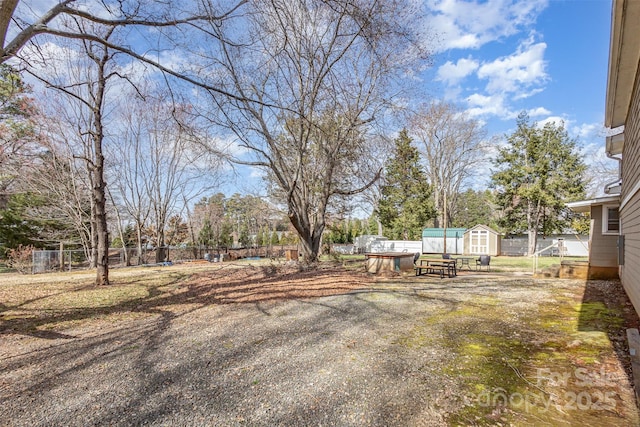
[{"x": 21, "y": 258}]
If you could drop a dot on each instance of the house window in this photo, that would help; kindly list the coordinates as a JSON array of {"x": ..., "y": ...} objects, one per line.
[{"x": 610, "y": 220}]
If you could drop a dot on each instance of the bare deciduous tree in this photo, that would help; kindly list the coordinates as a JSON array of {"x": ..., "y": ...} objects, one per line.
[
  {"x": 157, "y": 166},
  {"x": 379, "y": 148},
  {"x": 83, "y": 80},
  {"x": 451, "y": 146},
  {"x": 60, "y": 180},
  {"x": 146, "y": 31},
  {"x": 312, "y": 76}
]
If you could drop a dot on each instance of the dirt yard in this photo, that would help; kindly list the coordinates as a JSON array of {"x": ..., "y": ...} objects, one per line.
[{"x": 240, "y": 344}]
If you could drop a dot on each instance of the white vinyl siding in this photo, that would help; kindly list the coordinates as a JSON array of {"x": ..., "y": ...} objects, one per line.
[
  {"x": 603, "y": 246},
  {"x": 630, "y": 211}
]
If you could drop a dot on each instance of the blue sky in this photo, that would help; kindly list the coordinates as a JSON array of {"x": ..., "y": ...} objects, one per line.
[
  {"x": 496, "y": 58},
  {"x": 499, "y": 57}
]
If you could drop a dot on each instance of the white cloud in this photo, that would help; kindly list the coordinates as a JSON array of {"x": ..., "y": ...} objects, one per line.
[
  {"x": 452, "y": 73},
  {"x": 537, "y": 112},
  {"x": 527, "y": 94},
  {"x": 509, "y": 78},
  {"x": 589, "y": 131},
  {"x": 487, "y": 105},
  {"x": 452, "y": 94},
  {"x": 471, "y": 24},
  {"x": 518, "y": 72},
  {"x": 557, "y": 120},
  {"x": 588, "y": 134},
  {"x": 257, "y": 173}
]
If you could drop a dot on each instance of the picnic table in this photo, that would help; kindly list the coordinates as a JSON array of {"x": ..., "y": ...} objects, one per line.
[{"x": 439, "y": 266}]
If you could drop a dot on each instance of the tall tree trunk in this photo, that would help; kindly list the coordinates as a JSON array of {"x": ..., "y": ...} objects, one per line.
[
  {"x": 125, "y": 252},
  {"x": 533, "y": 223},
  {"x": 161, "y": 255},
  {"x": 94, "y": 233},
  {"x": 139, "y": 241},
  {"x": 102, "y": 256},
  {"x": 310, "y": 236},
  {"x": 533, "y": 241},
  {"x": 437, "y": 203},
  {"x": 310, "y": 247},
  {"x": 99, "y": 185}
]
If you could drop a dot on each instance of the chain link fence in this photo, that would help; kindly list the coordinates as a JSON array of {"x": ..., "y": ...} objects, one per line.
[{"x": 67, "y": 260}]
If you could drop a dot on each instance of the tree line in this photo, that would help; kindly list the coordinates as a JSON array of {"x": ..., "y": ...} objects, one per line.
[
  {"x": 296, "y": 86},
  {"x": 536, "y": 171},
  {"x": 147, "y": 103}
]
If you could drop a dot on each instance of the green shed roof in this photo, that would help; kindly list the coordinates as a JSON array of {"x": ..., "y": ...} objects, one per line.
[{"x": 439, "y": 232}]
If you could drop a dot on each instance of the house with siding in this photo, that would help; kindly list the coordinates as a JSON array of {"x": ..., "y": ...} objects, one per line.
[
  {"x": 622, "y": 116},
  {"x": 603, "y": 235}
]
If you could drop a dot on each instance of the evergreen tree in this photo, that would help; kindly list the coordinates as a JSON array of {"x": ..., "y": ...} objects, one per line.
[
  {"x": 16, "y": 126},
  {"x": 15, "y": 229},
  {"x": 405, "y": 205},
  {"x": 129, "y": 235},
  {"x": 244, "y": 239},
  {"x": 206, "y": 236},
  {"x": 224, "y": 236},
  {"x": 538, "y": 172},
  {"x": 473, "y": 208}
]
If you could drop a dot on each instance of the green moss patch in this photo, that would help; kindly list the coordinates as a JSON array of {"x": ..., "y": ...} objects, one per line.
[{"x": 544, "y": 366}]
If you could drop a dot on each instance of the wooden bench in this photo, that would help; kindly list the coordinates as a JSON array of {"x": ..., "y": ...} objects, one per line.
[
  {"x": 431, "y": 269},
  {"x": 436, "y": 267}
]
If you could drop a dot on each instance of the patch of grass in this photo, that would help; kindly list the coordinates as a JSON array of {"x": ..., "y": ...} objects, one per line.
[
  {"x": 525, "y": 263},
  {"x": 498, "y": 263},
  {"x": 516, "y": 364},
  {"x": 63, "y": 300},
  {"x": 88, "y": 298},
  {"x": 508, "y": 264},
  {"x": 533, "y": 369}
]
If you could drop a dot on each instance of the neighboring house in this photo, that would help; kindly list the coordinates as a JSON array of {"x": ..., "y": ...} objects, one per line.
[
  {"x": 622, "y": 116},
  {"x": 481, "y": 240}
]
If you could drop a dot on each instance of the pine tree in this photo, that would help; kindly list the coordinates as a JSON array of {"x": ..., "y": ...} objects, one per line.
[
  {"x": 539, "y": 171},
  {"x": 405, "y": 205}
]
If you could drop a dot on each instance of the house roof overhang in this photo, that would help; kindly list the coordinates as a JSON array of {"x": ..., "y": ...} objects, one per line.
[
  {"x": 624, "y": 55},
  {"x": 614, "y": 144},
  {"x": 585, "y": 205}
]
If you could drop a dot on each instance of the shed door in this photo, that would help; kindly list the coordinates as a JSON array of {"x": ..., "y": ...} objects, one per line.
[{"x": 479, "y": 241}]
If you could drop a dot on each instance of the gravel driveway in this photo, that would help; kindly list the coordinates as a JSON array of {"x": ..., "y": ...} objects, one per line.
[{"x": 356, "y": 359}]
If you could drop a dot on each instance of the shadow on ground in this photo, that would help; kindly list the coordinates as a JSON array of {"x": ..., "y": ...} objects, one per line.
[{"x": 259, "y": 346}]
